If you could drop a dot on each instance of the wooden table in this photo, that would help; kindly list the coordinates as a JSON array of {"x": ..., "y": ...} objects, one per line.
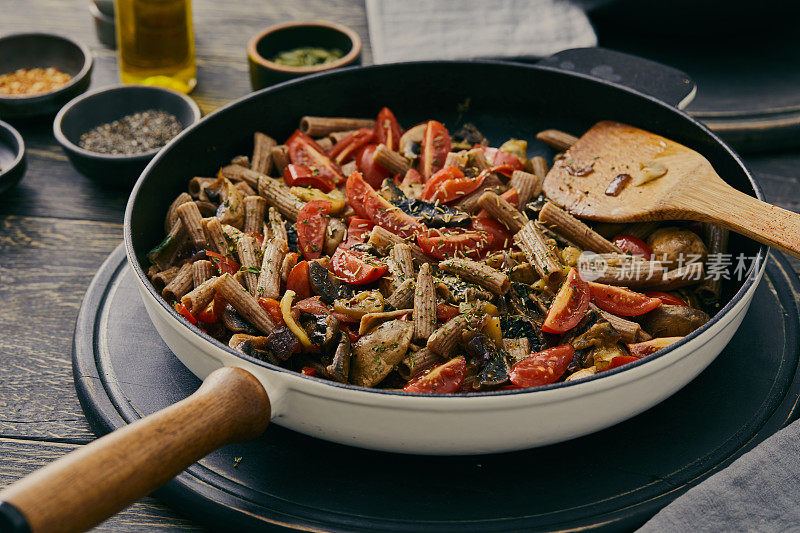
[{"x": 57, "y": 226}]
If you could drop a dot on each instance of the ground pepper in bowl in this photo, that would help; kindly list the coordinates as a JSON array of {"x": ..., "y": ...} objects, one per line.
[{"x": 132, "y": 134}]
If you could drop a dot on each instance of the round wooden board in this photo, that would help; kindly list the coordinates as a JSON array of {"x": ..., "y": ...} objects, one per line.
[{"x": 615, "y": 479}]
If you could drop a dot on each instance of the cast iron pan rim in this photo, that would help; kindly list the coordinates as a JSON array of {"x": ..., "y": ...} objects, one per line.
[
  {"x": 20, "y": 145},
  {"x": 88, "y": 61},
  {"x": 66, "y": 143},
  {"x": 752, "y": 274}
]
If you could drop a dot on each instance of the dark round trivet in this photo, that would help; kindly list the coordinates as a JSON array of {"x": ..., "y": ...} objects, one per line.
[{"x": 614, "y": 479}]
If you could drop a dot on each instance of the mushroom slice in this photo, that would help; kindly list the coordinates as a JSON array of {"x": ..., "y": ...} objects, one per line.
[
  {"x": 339, "y": 369},
  {"x": 673, "y": 320},
  {"x": 411, "y": 141},
  {"x": 379, "y": 351}
]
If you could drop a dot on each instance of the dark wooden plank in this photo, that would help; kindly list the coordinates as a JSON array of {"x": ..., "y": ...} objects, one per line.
[
  {"x": 45, "y": 266},
  {"x": 21, "y": 457}
]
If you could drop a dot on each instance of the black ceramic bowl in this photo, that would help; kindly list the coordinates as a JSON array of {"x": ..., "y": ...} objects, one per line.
[
  {"x": 12, "y": 157},
  {"x": 107, "y": 105},
  {"x": 283, "y": 37},
  {"x": 43, "y": 50}
]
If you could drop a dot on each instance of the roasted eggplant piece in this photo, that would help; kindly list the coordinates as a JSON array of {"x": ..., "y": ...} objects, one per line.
[
  {"x": 236, "y": 323},
  {"x": 601, "y": 340},
  {"x": 322, "y": 330},
  {"x": 673, "y": 320},
  {"x": 432, "y": 215},
  {"x": 379, "y": 351},
  {"x": 468, "y": 136},
  {"x": 282, "y": 343},
  {"x": 325, "y": 285},
  {"x": 533, "y": 207},
  {"x": 492, "y": 362},
  {"x": 459, "y": 290},
  {"x": 291, "y": 235}
]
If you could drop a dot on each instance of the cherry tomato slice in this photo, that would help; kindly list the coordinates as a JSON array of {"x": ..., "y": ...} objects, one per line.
[
  {"x": 411, "y": 177},
  {"x": 569, "y": 305},
  {"x": 435, "y": 147},
  {"x": 346, "y": 149},
  {"x": 313, "y": 306},
  {"x": 225, "y": 265},
  {"x": 542, "y": 367},
  {"x": 181, "y": 309},
  {"x": 501, "y": 237},
  {"x": 621, "y": 360},
  {"x": 298, "y": 281},
  {"x": 306, "y": 176},
  {"x": 373, "y": 172},
  {"x": 450, "y": 184},
  {"x": 443, "y": 379},
  {"x": 387, "y": 130},
  {"x": 357, "y": 230},
  {"x": 303, "y": 150},
  {"x": 449, "y": 243},
  {"x": 356, "y": 268},
  {"x": 370, "y": 205},
  {"x": 666, "y": 298},
  {"x": 495, "y": 156},
  {"x": 633, "y": 245},
  {"x": 312, "y": 221},
  {"x": 445, "y": 312},
  {"x": 273, "y": 309},
  {"x": 621, "y": 301}
]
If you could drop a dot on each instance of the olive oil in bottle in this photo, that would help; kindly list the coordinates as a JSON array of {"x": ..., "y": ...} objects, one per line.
[{"x": 156, "y": 43}]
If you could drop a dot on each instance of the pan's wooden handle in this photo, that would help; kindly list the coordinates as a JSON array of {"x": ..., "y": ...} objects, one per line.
[
  {"x": 721, "y": 204},
  {"x": 92, "y": 483}
]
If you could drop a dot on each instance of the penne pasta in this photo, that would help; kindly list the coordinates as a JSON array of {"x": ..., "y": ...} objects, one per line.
[
  {"x": 182, "y": 283},
  {"x": 249, "y": 260},
  {"x": 390, "y": 160},
  {"x": 202, "y": 270},
  {"x": 261, "y": 161},
  {"x": 502, "y": 211},
  {"x": 269, "y": 278},
  {"x": 280, "y": 197},
  {"x": 528, "y": 185},
  {"x": 245, "y": 304},
  {"x": 424, "y": 304},
  {"x": 254, "y": 209},
  {"x": 172, "y": 215},
  {"x": 494, "y": 281},
  {"x": 573, "y": 229},
  {"x": 403, "y": 258},
  {"x": 321, "y": 126},
  {"x": 197, "y": 300},
  {"x": 539, "y": 253},
  {"x": 193, "y": 222}
]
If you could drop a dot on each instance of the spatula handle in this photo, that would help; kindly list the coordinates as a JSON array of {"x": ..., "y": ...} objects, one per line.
[
  {"x": 92, "y": 483},
  {"x": 739, "y": 212}
]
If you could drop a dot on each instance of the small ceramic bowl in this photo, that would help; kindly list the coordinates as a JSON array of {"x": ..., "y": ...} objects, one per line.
[
  {"x": 283, "y": 37},
  {"x": 43, "y": 50},
  {"x": 12, "y": 157},
  {"x": 107, "y": 105}
]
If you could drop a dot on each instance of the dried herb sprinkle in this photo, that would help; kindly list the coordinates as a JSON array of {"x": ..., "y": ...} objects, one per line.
[{"x": 132, "y": 134}]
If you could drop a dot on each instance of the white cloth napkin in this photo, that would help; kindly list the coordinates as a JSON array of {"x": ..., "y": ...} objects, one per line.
[{"x": 408, "y": 30}]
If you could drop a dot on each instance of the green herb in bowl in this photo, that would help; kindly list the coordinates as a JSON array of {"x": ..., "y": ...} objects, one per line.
[{"x": 307, "y": 56}]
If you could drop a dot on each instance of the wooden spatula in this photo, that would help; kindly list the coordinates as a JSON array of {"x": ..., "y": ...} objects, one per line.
[{"x": 690, "y": 189}]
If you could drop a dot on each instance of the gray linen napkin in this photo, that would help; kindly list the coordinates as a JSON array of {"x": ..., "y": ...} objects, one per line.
[
  {"x": 408, "y": 30},
  {"x": 760, "y": 491}
]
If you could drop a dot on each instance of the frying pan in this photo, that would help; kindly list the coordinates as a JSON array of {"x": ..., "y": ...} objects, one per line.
[{"x": 504, "y": 100}]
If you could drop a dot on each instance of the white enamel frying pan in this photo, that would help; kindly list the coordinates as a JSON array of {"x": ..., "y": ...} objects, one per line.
[{"x": 241, "y": 395}]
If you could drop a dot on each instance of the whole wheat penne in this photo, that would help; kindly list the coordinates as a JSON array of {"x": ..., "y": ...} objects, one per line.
[
  {"x": 445, "y": 339},
  {"x": 325, "y": 143},
  {"x": 528, "y": 185},
  {"x": 174, "y": 243},
  {"x": 390, "y": 160},
  {"x": 320, "y": 126},
  {"x": 193, "y": 222},
  {"x": 289, "y": 262},
  {"x": 245, "y": 189},
  {"x": 629, "y": 331},
  {"x": 717, "y": 243},
  {"x": 517, "y": 349},
  {"x": 539, "y": 167},
  {"x": 417, "y": 363},
  {"x": 391, "y": 281},
  {"x": 570, "y": 227},
  {"x": 269, "y": 279},
  {"x": 336, "y": 136},
  {"x": 197, "y": 187},
  {"x": 382, "y": 239},
  {"x": 476, "y": 158},
  {"x": 254, "y": 209},
  {"x": 401, "y": 253},
  {"x": 621, "y": 270},
  {"x": 163, "y": 277},
  {"x": 236, "y": 173},
  {"x": 349, "y": 168},
  {"x": 560, "y": 239},
  {"x": 640, "y": 230},
  {"x": 506, "y": 259},
  {"x": 280, "y": 159},
  {"x": 280, "y": 197},
  {"x": 277, "y": 226},
  {"x": 469, "y": 203},
  {"x": 172, "y": 215},
  {"x": 248, "y": 258},
  {"x": 481, "y": 274},
  {"x": 245, "y": 304},
  {"x": 197, "y": 299},
  {"x": 215, "y": 236},
  {"x": 456, "y": 159},
  {"x": 539, "y": 252},
  {"x": 261, "y": 161},
  {"x": 241, "y": 160},
  {"x": 424, "y": 304},
  {"x": 502, "y": 211},
  {"x": 684, "y": 276},
  {"x": 403, "y": 296},
  {"x": 232, "y": 234},
  {"x": 180, "y": 284},
  {"x": 207, "y": 209},
  {"x": 201, "y": 271},
  {"x": 557, "y": 139}
]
